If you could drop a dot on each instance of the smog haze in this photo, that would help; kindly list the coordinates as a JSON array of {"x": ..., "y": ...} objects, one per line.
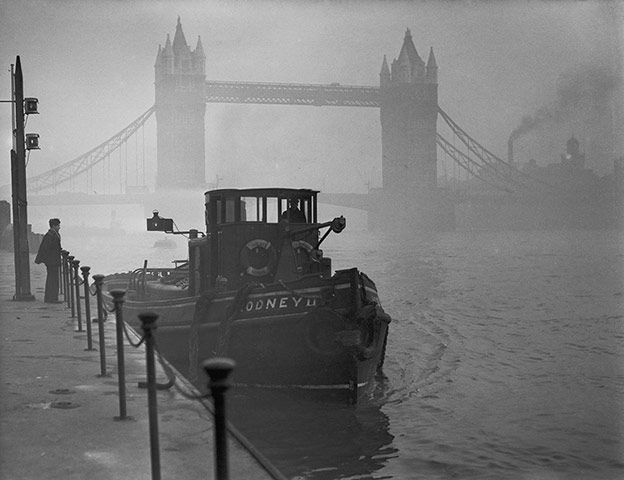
[{"x": 543, "y": 70}]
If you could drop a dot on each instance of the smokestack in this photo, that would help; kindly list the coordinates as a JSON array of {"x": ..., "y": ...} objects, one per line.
[{"x": 510, "y": 157}]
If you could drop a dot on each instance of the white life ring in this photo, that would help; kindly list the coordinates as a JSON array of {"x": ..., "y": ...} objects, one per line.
[{"x": 258, "y": 257}]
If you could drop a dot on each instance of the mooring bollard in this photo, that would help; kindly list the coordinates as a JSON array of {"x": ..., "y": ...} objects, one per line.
[
  {"x": 87, "y": 294},
  {"x": 99, "y": 280},
  {"x": 118, "y": 299},
  {"x": 64, "y": 254},
  {"x": 75, "y": 264},
  {"x": 70, "y": 285},
  {"x": 218, "y": 370},
  {"x": 148, "y": 324}
]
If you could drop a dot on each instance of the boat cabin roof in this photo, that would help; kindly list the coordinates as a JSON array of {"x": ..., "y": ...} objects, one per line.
[
  {"x": 262, "y": 192},
  {"x": 261, "y": 205}
]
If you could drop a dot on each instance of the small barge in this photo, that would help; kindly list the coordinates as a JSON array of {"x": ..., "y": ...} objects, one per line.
[{"x": 257, "y": 288}]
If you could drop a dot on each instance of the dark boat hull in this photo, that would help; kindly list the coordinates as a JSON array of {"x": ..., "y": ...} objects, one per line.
[{"x": 313, "y": 334}]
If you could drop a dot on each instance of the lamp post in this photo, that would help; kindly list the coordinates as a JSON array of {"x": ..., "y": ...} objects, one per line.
[{"x": 18, "y": 188}]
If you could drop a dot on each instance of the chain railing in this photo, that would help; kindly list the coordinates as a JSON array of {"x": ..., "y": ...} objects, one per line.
[{"x": 218, "y": 369}]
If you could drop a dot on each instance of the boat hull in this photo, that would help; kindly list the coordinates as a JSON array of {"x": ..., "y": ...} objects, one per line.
[{"x": 313, "y": 334}]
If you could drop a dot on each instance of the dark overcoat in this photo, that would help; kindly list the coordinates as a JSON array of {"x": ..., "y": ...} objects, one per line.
[{"x": 50, "y": 249}]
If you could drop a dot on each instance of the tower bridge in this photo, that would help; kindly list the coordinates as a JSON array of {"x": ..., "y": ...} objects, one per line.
[{"x": 407, "y": 98}]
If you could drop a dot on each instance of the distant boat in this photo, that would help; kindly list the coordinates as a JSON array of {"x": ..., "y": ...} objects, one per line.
[{"x": 257, "y": 288}]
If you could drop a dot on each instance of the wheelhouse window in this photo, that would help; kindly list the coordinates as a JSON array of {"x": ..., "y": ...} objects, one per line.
[
  {"x": 261, "y": 205},
  {"x": 251, "y": 209},
  {"x": 272, "y": 210},
  {"x": 259, "y": 209},
  {"x": 225, "y": 211}
]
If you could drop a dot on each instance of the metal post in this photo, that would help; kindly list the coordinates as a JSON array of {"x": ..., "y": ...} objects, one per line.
[
  {"x": 75, "y": 264},
  {"x": 18, "y": 184},
  {"x": 218, "y": 370},
  {"x": 13, "y": 100},
  {"x": 62, "y": 276},
  {"x": 148, "y": 324},
  {"x": 99, "y": 280},
  {"x": 70, "y": 284},
  {"x": 64, "y": 255},
  {"x": 118, "y": 299},
  {"x": 87, "y": 293}
]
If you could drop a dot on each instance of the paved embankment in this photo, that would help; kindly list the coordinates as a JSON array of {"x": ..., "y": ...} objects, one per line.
[{"x": 57, "y": 414}]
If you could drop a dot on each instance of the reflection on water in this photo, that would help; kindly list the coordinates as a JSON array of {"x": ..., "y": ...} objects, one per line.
[
  {"x": 504, "y": 360},
  {"x": 312, "y": 437}
]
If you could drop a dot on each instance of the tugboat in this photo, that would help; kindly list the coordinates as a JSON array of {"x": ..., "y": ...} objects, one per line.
[{"x": 256, "y": 288}]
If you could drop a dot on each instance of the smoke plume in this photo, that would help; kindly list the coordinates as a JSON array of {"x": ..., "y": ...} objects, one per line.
[{"x": 581, "y": 93}]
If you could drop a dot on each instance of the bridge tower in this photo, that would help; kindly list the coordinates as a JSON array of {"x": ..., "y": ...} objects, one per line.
[
  {"x": 180, "y": 109},
  {"x": 409, "y": 110}
]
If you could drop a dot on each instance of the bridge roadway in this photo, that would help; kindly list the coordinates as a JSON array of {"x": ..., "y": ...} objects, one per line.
[
  {"x": 69, "y": 198},
  {"x": 334, "y": 94}
]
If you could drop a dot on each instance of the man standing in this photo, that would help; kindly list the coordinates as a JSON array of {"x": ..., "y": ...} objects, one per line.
[{"x": 50, "y": 254}]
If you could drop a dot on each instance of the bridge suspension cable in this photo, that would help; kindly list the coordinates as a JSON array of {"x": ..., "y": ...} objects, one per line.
[
  {"x": 490, "y": 168},
  {"x": 86, "y": 161},
  {"x": 471, "y": 166},
  {"x": 485, "y": 166}
]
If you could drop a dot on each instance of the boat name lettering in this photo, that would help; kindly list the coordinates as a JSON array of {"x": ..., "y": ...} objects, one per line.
[{"x": 279, "y": 302}]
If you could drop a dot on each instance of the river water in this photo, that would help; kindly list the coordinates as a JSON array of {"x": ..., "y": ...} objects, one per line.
[{"x": 505, "y": 359}]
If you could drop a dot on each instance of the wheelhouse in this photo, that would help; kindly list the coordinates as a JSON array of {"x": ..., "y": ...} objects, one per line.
[{"x": 260, "y": 235}]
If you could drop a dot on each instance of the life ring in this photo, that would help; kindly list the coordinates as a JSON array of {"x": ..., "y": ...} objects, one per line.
[
  {"x": 258, "y": 257},
  {"x": 303, "y": 252},
  {"x": 300, "y": 244}
]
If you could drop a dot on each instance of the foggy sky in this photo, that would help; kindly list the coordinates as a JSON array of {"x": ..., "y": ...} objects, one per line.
[{"x": 503, "y": 66}]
